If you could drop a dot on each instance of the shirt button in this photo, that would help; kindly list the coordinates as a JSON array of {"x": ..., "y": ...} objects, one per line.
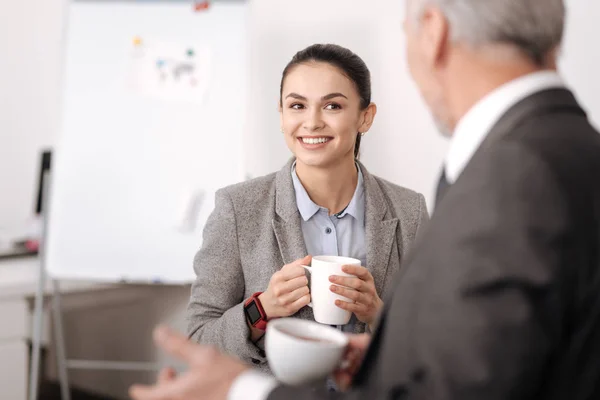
[{"x": 328, "y": 230}]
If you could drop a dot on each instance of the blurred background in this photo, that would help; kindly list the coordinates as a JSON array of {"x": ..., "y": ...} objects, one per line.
[{"x": 135, "y": 164}]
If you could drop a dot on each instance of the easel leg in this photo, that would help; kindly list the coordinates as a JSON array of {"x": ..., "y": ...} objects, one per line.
[
  {"x": 59, "y": 336},
  {"x": 38, "y": 326},
  {"x": 38, "y": 315}
]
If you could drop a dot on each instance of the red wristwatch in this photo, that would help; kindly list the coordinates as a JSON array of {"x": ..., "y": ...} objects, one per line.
[{"x": 255, "y": 312}]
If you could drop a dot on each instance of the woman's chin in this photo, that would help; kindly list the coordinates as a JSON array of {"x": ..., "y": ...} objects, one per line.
[{"x": 314, "y": 160}]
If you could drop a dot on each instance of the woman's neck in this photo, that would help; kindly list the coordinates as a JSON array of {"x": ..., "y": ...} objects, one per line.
[{"x": 331, "y": 187}]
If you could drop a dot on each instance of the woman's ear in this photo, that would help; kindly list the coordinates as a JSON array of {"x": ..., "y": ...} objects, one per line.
[{"x": 368, "y": 117}]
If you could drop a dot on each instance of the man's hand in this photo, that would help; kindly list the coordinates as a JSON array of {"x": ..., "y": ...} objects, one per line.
[
  {"x": 210, "y": 373},
  {"x": 355, "y": 352}
]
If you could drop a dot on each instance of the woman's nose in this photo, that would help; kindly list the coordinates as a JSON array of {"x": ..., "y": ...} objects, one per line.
[{"x": 314, "y": 122}]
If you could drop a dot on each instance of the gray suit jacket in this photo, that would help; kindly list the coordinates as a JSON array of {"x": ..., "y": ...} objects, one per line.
[
  {"x": 500, "y": 298},
  {"x": 255, "y": 229}
]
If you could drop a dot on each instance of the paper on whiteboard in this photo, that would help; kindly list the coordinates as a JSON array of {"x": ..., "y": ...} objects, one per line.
[{"x": 169, "y": 71}]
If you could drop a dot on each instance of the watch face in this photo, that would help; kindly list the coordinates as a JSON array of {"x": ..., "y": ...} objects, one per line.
[{"x": 253, "y": 313}]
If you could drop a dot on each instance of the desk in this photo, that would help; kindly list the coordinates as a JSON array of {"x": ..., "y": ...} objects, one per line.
[
  {"x": 18, "y": 284},
  {"x": 101, "y": 321}
]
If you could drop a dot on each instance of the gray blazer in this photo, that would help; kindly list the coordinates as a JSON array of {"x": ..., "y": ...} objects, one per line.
[{"x": 255, "y": 229}]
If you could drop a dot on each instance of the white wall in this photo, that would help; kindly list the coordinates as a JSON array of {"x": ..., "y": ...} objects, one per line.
[
  {"x": 30, "y": 43},
  {"x": 580, "y": 58}
]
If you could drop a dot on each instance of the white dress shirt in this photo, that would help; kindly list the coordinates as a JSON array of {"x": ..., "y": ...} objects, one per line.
[
  {"x": 474, "y": 126},
  {"x": 470, "y": 131}
]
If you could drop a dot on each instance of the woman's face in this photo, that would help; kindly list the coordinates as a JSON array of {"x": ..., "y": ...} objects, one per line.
[{"x": 321, "y": 115}]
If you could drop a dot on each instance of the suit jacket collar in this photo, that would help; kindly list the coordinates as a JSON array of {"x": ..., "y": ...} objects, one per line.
[
  {"x": 542, "y": 102},
  {"x": 477, "y": 123}
]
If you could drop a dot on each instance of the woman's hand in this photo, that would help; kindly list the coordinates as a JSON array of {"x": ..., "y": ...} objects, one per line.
[
  {"x": 288, "y": 290},
  {"x": 361, "y": 289}
]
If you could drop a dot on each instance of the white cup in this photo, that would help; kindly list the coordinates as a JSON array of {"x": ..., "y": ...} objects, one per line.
[
  {"x": 301, "y": 351},
  {"x": 323, "y": 299}
]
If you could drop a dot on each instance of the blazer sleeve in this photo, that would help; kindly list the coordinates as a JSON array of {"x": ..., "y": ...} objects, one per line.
[{"x": 215, "y": 311}]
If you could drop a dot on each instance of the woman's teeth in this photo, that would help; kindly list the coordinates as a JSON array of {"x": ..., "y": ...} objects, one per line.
[{"x": 314, "y": 140}]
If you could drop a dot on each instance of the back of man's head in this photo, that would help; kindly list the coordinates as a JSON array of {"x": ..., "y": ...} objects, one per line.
[
  {"x": 535, "y": 27},
  {"x": 458, "y": 51}
]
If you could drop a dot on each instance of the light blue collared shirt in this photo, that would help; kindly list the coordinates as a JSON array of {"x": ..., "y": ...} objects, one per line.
[
  {"x": 341, "y": 234},
  {"x": 335, "y": 235}
]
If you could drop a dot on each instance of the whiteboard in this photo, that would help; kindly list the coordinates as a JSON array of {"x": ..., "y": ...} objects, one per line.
[{"x": 131, "y": 152}]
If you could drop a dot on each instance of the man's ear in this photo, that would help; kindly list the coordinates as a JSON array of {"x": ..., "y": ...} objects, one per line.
[{"x": 435, "y": 33}]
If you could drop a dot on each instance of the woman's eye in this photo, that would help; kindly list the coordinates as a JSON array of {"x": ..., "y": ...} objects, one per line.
[
  {"x": 333, "y": 106},
  {"x": 296, "y": 106}
]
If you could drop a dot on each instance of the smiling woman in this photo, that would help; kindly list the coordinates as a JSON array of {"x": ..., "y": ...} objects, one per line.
[{"x": 323, "y": 202}]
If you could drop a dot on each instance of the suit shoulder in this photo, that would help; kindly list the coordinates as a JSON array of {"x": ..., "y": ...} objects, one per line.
[{"x": 567, "y": 143}]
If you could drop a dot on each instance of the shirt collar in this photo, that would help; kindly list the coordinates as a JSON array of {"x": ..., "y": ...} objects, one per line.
[
  {"x": 307, "y": 208},
  {"x": 472, "y": 129}
]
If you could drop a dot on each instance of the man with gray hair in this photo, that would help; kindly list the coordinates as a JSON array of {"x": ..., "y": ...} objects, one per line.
[{"x": 500, "y": 298}]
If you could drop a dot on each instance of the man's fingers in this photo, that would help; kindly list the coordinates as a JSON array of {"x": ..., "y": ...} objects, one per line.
[
  {"x": 178, "y": 345},
  {"x": 166, "y": 375},
  {"x": 343, "y": 379},
  {"x": 156, "y": 392},
  {"x": 359, "y": 342}
]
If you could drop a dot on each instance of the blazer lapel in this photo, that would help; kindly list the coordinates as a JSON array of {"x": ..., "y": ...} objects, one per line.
[
  {"x": 286, "y": 223},
  {"x": 380, "y": 230}
]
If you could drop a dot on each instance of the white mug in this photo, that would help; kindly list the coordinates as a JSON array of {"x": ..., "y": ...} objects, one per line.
[
  {"x": 323, "y": 299},
  {"x": 301, "y": 351}
]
